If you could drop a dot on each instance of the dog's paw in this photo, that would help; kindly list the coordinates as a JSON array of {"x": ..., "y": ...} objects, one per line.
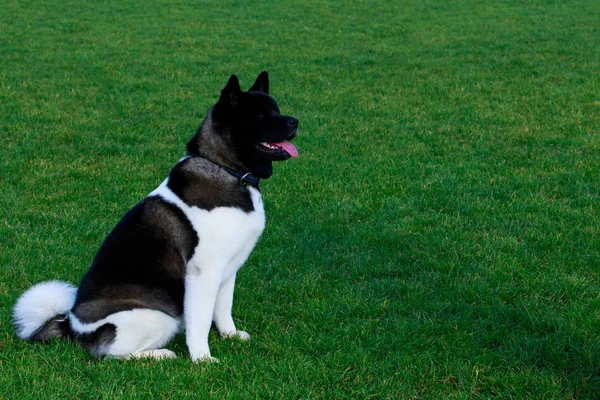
[
  {"x": 242, "y": 335},
  {"x": 237, "y": 334},
  {"x": 205, "y": 359},
  {"x": 156, "y": 353}
]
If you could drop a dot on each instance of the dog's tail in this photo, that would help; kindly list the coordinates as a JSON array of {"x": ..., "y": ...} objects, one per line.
[{"x": 41, "y": 313}]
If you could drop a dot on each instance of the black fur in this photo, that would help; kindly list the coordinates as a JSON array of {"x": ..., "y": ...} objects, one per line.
[
  {"x": 96, "y": 342},
  {"x": 55, "y": 327},
  {"x": 140, "y": 265},
  {"x": 201, "y": 183}
]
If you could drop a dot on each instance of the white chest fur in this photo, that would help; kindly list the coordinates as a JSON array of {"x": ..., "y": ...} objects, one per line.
[{"x": 226, "y": 235}]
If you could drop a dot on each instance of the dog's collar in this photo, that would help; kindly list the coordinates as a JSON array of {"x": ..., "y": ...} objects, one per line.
[{"x": 245, "y": 179}]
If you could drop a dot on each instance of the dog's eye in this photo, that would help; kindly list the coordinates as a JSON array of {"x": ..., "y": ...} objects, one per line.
[{"x": 260, "y": 117}]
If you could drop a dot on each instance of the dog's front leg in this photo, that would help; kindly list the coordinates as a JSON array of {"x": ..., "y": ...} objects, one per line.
[
  {"x": 198, "y": 306},
  {"x": 222, "y": 315}
]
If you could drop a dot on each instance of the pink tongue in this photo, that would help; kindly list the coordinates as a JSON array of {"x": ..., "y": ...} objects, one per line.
[{"x": 288, "y": 147}]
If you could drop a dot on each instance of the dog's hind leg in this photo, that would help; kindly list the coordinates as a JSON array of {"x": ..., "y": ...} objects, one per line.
[{"x": 128, "y": 334}]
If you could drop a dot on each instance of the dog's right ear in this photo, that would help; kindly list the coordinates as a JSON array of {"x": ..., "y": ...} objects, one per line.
[{"x": 231, "y": 91}]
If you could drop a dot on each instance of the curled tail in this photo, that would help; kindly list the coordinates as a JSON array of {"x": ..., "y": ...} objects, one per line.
[{"x": 41, "y": 312}]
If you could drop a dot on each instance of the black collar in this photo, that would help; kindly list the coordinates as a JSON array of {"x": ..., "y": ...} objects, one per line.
[{"x": 245, "y": 178}]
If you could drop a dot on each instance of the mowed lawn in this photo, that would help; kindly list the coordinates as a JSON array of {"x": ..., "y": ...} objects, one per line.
[{"x": 438, "y": 237}]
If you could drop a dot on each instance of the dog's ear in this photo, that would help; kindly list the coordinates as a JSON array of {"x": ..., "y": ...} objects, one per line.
[
  {"x": 261, "y": 84},
  {"x": 231, "y": 91}
]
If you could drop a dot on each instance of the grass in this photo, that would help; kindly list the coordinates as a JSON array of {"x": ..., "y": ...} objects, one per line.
[{"x": 437, "y": 238}]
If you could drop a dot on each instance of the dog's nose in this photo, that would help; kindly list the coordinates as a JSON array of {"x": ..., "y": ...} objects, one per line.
[{"x": 293, "y": 122}]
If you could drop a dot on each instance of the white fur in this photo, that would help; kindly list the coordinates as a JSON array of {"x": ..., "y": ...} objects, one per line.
[
  {"x": 41, "y": 303},
  {"x": 226, "y": 238}
]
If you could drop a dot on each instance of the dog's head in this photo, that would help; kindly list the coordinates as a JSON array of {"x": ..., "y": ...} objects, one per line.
[{"x": 248, "y": 131}]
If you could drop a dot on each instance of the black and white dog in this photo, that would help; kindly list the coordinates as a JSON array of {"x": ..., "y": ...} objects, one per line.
[{"x": 171, "y": 262}]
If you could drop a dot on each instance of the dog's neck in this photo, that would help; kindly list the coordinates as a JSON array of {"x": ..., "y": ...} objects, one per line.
[{"x": 214, "y": 148}]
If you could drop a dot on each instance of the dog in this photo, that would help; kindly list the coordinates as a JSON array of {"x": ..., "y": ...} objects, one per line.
[{"x": 171, "y": 262}]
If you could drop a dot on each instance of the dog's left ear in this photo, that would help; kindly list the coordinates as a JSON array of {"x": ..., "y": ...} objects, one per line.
[{"x": 261, "y": 84}]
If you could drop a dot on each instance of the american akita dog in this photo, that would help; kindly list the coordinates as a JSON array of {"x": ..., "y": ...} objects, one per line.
[{"x": 171, "y": 262}]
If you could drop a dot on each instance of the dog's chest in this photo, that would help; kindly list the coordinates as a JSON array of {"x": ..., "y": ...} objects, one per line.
[{"x": 226, "y": 235}]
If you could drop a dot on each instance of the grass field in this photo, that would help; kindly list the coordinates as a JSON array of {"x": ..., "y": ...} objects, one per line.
[{"x": 438, "y": 237}]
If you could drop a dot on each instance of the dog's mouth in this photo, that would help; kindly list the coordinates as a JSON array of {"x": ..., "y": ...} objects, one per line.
[{"x": 278, "y": 148}]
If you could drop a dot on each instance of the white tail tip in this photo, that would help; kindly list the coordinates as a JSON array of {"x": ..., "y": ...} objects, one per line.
[{"x": 40, "y": 303}]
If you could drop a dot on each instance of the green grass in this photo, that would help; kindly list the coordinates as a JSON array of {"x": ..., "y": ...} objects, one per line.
[{"x": 439, "y": 236}]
